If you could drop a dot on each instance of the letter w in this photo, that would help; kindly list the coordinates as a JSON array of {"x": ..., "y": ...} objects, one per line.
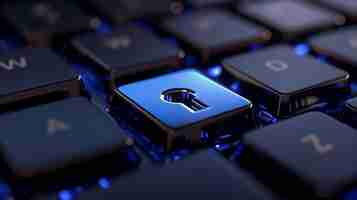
[{"x": 12, "y": 63}]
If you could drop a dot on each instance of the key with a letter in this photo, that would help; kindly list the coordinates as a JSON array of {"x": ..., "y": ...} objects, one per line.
[
  {"x": 284, "y": 82},
  {"x": 57, "y": 136},
  {"x": 28, "y": 74},
  {"x": 313, "y": 149}
]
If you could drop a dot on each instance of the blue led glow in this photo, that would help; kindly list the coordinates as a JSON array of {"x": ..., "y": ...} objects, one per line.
[
  {"x": 104, "y": 183},
  {"x": 104, "y": 28},
  {"x": 235, "y": 86},
  {"x": 353, "y": 87},
  {"x": 215, "y": 71},
  {"x": 65, "y": 195},
  {"x": 302, "y": 49},
  {"x": 204, "y": 136}
]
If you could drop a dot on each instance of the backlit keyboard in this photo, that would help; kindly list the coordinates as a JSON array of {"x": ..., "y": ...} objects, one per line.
[{"x": 178, "y": 99}]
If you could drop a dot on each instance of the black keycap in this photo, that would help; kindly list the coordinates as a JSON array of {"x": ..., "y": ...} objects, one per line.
[
  {"x": 57, "y": 135},
  {"x": 339, "y": 45},
  {"x": 204, "y": 175},
  {"x": 29, "y": 74},
  {"x": 207, "y": 3},
  {"x": 313, "y": 148},
  {"x": 40, "y": 21},
  {"x": 129, "y": 50},
  {"x": 347, "y": 7},
  {"x": 284, "y": 82},
  {"x": 213, "y": 31},
  {"x": 124, "y": 10},
  {"x": 291, "y": 18}
]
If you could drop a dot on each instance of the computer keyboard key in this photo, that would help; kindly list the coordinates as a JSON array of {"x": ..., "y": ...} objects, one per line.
[
  {"x": 284, "y": 82},
  {"x": 50, "y": 137},
  {"x": 340, "y": 46},
  {"x": 347, "y": 7},
  {"x": 182, "y": 104},
  {"x": 40, "y": 22},
  {"x": 35, "y": 73},
  {"x": 122, "y": 11},
  {"x": 315, "y": 149},
  {"x": 128, "y": 50},
  {"x": 291, "y": 18},
  {"x": 204, "y": 175},
  {"x": 213, "y": 31}
]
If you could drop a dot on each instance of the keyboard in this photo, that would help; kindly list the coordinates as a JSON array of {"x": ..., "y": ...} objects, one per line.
[{"x": 178, "y": 99}]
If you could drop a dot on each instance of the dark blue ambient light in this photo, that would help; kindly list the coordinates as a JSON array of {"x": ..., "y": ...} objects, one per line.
[
  {"x": 104, "y": 183},
  {"x": 65, "y": 195},
  {"x": 302, "y": 49}
]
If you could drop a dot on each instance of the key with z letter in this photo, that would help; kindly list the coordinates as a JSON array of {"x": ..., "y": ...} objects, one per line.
[{"x": 307, "y": 150}]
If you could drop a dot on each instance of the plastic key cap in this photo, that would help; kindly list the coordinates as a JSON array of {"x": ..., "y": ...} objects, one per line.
[
  {"x": 307, "y": 149},
  {"x": 28, "y": 74}
]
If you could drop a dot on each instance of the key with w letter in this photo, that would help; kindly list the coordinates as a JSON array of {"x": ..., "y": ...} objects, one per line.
[{"x": 29, "y": 76}]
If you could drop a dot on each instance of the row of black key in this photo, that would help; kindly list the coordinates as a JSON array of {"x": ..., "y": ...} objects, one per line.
[{"x": 52, "y": 124}]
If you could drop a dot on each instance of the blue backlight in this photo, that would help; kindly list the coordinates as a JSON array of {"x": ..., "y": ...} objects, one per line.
[
  {"x": 65, "y": 195},
  {"x": 302, "y": 49},
  {"x": 104, "y": 183},
  {"x": 215, "y": 71},
  {"x": 235, "y": 86}
]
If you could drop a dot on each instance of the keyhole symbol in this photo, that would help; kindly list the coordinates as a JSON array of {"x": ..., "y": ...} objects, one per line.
[{"x": 184, "y": 97}]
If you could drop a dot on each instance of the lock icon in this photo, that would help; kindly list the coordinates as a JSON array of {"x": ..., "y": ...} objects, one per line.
[{"x": 182, "y": 104}]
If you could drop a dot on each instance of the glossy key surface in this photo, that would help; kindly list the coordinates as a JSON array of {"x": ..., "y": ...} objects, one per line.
[
  {"x": 49, "y": 137},
  {"x": 128, "y": 50},
  {"x": 312, "y": 148},
  {"x": 175, "y": 118},
  {"x": 215, "y": 31},
  {"x": 340, "y": 45},
  {"x": 291, "y": 18},
  {"x": 33, "y": 72},
  {"x": 205, "y": 175},
  {"x": 41, "y": 22},
  {"x": 279, "y": 71}
]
